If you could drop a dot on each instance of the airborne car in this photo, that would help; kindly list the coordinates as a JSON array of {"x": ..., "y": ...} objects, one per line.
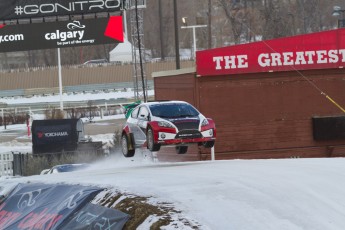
[{"x": 166, "y": 123}]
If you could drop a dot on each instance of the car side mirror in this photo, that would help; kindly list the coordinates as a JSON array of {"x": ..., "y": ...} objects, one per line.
[{"x": 144, "y": 117}]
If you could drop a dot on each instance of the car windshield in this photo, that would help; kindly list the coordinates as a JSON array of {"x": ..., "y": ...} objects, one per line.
[{"x": 173, "y": 110}]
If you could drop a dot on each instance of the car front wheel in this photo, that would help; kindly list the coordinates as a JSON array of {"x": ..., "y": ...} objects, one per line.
[
  {"x": 150, "y": 141},
  {"x": 125, "y": 147}
]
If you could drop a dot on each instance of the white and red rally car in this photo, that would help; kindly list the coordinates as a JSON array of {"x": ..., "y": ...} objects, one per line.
[{"x": 166, "y": 123}]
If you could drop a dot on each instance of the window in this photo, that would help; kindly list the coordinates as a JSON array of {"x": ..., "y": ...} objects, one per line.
[
  {"x": 143, "y": 113},
  {"x": 173, "y": 110},
  {"x": 134, "y": 114}
]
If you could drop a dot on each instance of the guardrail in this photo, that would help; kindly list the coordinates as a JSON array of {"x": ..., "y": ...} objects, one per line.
[
  {"x": 102, "y": 87},
  {"x": 12, "y": 93},
  {"x": 71, "y": 89},
  {"x": 41, "y": 91},
  {"x": 6, "y": 164}
]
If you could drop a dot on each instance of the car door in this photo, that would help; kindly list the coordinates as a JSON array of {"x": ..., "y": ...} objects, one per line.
[
  {"x": 132, "y": 122},
  {"x": 143, "y": 118}
]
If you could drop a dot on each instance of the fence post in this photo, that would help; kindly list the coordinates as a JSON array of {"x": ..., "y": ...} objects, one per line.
[
  {"x": 213, "y": 157},
  {"x": 6, "y": 164},
  {"x": 1, "y": 164}
]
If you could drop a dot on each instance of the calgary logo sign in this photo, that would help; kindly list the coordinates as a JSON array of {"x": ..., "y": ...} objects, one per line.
[
  {"x": 18, "y": 9},
  {"x": 61, "y": 34}
]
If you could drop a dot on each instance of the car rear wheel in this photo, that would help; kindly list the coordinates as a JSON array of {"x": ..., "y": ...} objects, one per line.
[
  {"x": 150, "y": 141},
  {"x": 125, "y": 147},
  {"x": 208, "y": 144},
  {"x": 181, "y": 149}
]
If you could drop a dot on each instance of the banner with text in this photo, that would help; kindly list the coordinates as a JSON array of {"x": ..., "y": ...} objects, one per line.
[
  {"x": 18, "y": 9},
  {"x": 93, "y": 216},
  {"x": 323, "y": 50},
  {"x": 60, "y": 34}
]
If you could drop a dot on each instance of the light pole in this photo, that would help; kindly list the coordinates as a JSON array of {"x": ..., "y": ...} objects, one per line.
[
  {"x": 60, "y": 79},
  {"x": 336, "y": 12},
  {"x": 185, "y": 26},
  {"x": 177, "y": 46}
]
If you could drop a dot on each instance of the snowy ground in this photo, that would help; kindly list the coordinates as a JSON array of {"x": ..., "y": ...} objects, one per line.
[
  {"x": 284, "y": 194},
  {"x": 240, "y": 194}
]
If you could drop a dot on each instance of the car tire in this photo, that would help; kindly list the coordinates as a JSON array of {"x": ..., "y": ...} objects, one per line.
[
  {"x": 150, "y": 141},
  {"x": 125, "y": 147},
  {"x": 181, "y": 149},
  {"x": 208, "y": 144}
]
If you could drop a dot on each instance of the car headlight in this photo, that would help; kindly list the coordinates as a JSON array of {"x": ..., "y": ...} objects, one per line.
[
  {"x": 165, "y": 124},
  {"x": 204, "y": 122}
]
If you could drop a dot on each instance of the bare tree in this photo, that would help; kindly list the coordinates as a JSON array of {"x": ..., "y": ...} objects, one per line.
[{"x": 232, "y": 22}]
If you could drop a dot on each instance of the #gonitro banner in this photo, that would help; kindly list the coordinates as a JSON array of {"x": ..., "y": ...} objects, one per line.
[{"x": 19, "y": 9}]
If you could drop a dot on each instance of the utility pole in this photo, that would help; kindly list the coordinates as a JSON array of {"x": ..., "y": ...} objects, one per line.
[
  {"x": 177, "y": 46},
  {"x": 161, "y": 29},
  {"x": 194, "y": 36},
  {"x": 209, "y": 24}
]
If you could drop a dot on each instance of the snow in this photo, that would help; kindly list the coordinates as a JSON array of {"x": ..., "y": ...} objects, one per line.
[
  {"x": 236, "y": 194},
  {"x": 285, "y": 194}
]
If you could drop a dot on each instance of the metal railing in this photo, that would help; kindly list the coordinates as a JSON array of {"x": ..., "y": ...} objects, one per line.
[
  {"x": 102, "y": 87},
  {"x": 70, "y": 89},
  {"x": 12, "y": 93}
]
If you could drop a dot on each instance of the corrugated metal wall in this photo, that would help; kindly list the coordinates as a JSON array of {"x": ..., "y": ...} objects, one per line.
[
  {"x": 264, "y": 115},
  {"x": 74, "y": 75}
]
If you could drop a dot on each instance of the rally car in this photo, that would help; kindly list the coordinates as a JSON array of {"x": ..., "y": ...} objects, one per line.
[{"x": 177, "y": 123}]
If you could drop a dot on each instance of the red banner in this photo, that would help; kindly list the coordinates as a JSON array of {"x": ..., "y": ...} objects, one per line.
[{"x": 323, "y": 50}]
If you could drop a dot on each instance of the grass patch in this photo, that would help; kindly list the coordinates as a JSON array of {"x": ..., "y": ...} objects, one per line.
[{"x": 142, "y": 208}]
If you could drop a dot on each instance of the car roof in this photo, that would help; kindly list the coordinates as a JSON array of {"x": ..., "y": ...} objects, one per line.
[{"x": 163, "y": 102}]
